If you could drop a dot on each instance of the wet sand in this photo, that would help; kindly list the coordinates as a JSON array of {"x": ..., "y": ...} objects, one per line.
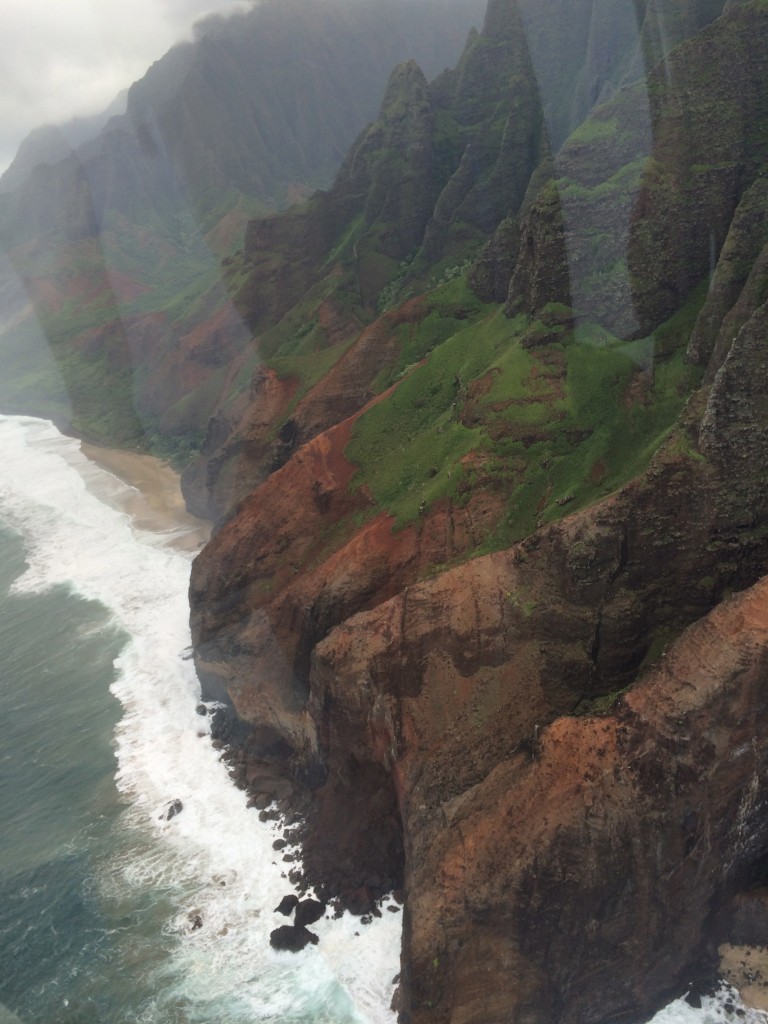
[
  {"x": 746, "y": 968},
  {"x": 157, "y": 503}
]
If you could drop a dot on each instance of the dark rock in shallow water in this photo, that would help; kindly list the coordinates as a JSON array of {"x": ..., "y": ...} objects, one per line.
[
  {"x": 291, "y": 938},
  {"x": 360, "y": 901},
  {"x": 309, "y": 911},
  {"x": 287, "y": 905},
  {"x": 176, "y": 807}
]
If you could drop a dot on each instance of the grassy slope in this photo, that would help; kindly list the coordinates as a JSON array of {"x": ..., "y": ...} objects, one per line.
[{"x": 550, "y": 428}]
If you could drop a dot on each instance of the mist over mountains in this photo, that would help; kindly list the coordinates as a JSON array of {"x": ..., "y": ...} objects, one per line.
[
  {"x": 256, "y": 113},
  {"x": 467, "y": 364},
  {"x": 262, "y": 100}
]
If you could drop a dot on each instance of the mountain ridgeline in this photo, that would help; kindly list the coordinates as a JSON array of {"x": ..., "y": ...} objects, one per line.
[
  {"x": 448, "y": 165},
  {"x": 500, "y": 446},
  {"x": 482, "y": 427},
  {"x": 117, "y": 241}
]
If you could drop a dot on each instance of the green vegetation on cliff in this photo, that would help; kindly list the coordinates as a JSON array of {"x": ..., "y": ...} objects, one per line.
[{"x": 546, "y": 416}]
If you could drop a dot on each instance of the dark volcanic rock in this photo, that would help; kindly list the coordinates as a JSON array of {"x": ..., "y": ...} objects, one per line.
[
  {"x": 176, "y": 807},
  {"x": 745, "y": 921},
  {"x": 360, "y": 901},
  {"x": 308, "y": 911},
  {"x": 291, "y": 938},
  {"x": 287, "y": 904}
]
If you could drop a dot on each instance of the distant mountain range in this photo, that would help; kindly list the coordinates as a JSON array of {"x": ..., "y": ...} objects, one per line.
[{"x": 123, "y": 234}]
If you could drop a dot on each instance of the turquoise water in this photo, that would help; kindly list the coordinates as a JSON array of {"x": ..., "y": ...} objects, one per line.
[{"x": 58, "y": 802}]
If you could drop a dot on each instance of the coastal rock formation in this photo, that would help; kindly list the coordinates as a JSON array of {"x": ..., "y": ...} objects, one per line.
[
  {"x": 443, "y": 618},
  {"x": 398, "y": 717},
  {"x": 631, "y": 831},
  {"x": 483, "y": 429},
  {"x": 292, "y": 938}
]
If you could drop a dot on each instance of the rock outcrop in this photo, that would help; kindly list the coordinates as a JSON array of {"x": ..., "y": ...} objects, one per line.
[
  {"x": 631, "y": 831},
  {"x": 644, "y": 194}
]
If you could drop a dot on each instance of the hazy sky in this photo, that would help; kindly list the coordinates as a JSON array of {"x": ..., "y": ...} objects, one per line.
[{"x": 61, "y": 58}]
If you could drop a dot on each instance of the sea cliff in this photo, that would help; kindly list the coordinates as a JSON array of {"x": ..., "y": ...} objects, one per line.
[
  {"x": 483, "y": 431},
  {"x": 473, "y": 620}
]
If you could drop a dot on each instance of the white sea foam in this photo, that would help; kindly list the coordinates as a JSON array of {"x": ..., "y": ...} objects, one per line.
[
  {"x": 215, "y": 858},
  {"x": 723, "y": 1008}
]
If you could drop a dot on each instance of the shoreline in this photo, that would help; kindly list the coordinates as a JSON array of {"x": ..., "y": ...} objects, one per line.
[
  {"x": 157, "y": 504},
  {"x": 746, "y": 968}
]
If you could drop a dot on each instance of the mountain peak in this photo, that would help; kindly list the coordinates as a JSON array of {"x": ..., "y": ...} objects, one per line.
[
  {"x": 406, "y": 84},
  {"x": 501, "y": 19}
]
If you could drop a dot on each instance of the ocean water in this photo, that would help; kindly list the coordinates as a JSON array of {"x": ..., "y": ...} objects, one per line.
[{"x": 98, "y": 890}]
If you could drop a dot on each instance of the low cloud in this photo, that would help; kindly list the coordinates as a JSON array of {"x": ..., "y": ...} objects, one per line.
[{"x": 61, "y": 60}]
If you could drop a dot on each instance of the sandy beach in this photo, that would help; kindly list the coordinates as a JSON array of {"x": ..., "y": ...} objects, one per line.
[{"x": 157, "y": 503}]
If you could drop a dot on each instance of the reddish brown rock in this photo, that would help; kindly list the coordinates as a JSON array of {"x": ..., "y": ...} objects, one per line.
[
  {"x": 257, "y": 432},
  {"x": 628, "y": 831}
]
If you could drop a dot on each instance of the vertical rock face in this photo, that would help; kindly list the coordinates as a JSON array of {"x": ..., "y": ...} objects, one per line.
[
  {"x": 738, "y": 283},
  {"x": 569, "y": 802},
  {"x": 630, "y": 832},
  {"x": 645, "y": 191},
  {"x": 517, "y": 840},
  {"x": 734, "y": 428},
  {"x": 437, "y": 701}
]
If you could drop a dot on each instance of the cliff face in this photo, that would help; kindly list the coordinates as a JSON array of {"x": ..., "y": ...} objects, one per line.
[
  {"x": 631, "y": 831},
  {"x": 470, "y": 155},
  {"x": 417, "y": 644},
  {"x": 645, "y": 192},
  {"x": 484, "y": 477}
]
